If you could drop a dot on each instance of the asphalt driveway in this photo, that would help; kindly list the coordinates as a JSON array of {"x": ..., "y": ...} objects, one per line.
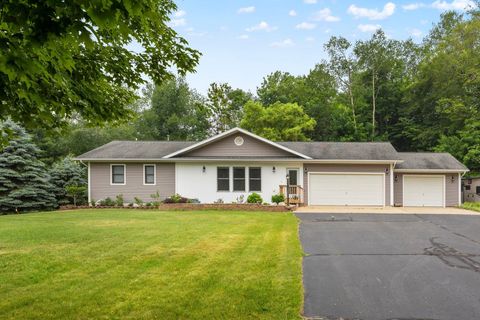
[{"x": 375, "y": 266}]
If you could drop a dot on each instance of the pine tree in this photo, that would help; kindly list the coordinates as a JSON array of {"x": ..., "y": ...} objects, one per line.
[
  {"x": 67, "y": 173},
  {"x": 24, "y": 181}
]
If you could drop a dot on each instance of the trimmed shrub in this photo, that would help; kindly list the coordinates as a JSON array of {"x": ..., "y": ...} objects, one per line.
[
  {"x": 176, "y": 198},
  {"x": 119, "y": 201},
  {"x": 254, "y": 198},
  {"x": 107, "y": 202},
  {"x": 138, "y": 201},
  {"x": 277, "y": 198}
]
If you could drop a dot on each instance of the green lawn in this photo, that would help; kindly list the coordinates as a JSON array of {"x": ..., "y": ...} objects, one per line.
[
  {"x": 146, "y": 264},
  {"x": 475, "y": 206}
]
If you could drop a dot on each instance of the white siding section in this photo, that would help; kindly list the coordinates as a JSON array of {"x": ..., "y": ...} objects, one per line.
[{"x": 192, "y": 182}]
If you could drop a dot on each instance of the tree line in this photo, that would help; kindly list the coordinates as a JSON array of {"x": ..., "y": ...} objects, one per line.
[{"x": 419, "y": 96}]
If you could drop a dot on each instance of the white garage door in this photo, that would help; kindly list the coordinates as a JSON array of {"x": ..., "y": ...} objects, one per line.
[
  {"x": 423, "y": 191},
  {"x": 346, "y": 189}
]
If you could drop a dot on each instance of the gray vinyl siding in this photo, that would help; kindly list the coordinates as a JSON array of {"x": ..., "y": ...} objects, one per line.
[
  {"x": 451, "y": 189},
  {"x": 471, "y": 195},
  {"x": 227, "y": 148},
  {"x": 378, "y": 168},
  {"x": 100, "y": 187}
]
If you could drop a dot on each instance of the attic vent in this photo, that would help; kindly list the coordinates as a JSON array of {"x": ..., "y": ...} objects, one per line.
[{"x": 238, "y": 141}]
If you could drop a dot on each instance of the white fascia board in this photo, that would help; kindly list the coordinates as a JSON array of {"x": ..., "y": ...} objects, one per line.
[
  {"x": 430, "y": 170},
  {"x": 228, "y": 132},
  {"x": 242, "y": 160}
]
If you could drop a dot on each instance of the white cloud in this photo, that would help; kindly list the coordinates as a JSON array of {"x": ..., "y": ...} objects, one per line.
[
  {"x": 305, "y": 26},
  {"x": 283, "y": 44},
  {"x": 292, "y": 13},
  {"x": 262, "y": 26},
  {"x": 246, "y": 10},
  {"x": 310, "y": 39},
  {"x": 459, "y": 5},
  {"x": 179, "y": 13},
  {"x": 372, "y": 14},
  {"x": 243, "y": 37},
  {"x": 177, "y": 22},
  {"x": 413, "y": 6},
  {"x": 368, "y": 27},
  {"x": 416, "y": 33},
  {"x": 310, "y": 1},
  {"x": 325, "y": 15}
]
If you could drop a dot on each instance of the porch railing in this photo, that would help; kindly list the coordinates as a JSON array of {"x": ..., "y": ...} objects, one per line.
[{"x": 295, "y": 194}]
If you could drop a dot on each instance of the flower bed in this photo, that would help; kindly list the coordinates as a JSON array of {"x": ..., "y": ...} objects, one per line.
[{"x": 196, "y": 206}]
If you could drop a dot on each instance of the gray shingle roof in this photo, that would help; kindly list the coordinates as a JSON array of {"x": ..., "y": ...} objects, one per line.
[
  {"x": 345, "y": 150},
  {"x": 135, "y": 149},
  {"x": 429, "y": 160}
]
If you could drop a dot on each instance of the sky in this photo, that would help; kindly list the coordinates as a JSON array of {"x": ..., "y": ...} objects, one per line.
[{"x": 242, "y": 41}]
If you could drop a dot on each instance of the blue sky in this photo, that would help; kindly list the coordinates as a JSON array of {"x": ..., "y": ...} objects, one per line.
[{"x": 243, "y": 41}]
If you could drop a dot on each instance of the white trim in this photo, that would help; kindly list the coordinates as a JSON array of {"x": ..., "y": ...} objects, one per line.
[
  {"x": 89, "y": 185},
  {"x": 444, "y": 196},
  {"x": 430, "y": 170},
  {"x": 346, "y": 173},
  {"x": 270, "y": 160},
  {"x": 391, "y": 184},
  {"x": 154, "y": 174},
  {"x": 124, "y": 174},
  {"x": 228, "y": 132},
  {"x": 459, "y": 190}
]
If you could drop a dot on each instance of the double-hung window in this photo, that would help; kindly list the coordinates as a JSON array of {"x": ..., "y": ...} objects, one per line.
[
  {"x": 223, "y": 179},
  {"x": 238, "y": 178},
  {"x": 149, "y": 174},
  {"x": 255, "y": 179},
  {"x": 117, "y": 174}
]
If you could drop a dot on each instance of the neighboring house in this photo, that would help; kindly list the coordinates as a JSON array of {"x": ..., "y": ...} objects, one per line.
[
  {"x": 235, "y": 163},
  {"x": 471, "y": 189}
]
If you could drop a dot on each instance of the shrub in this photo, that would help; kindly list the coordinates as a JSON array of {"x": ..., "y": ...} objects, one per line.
[
  {"x": 193, "y": 201},
  {"x": 68, "y": 172},
  {"x": 176, "y": 198},
  {"x": 75, "y": 192},
  {"x": 254, "y": 198},
  {"x": 240, "y": 199},
  {"x": 119, "y": 200},
  {"x": 138, "y": 201},
  {"x": 219, "y": 201},
  {"x": 107, "y": 202},
  {"x": 156, "y": 198},
  {"x": 277, "y": 198}
]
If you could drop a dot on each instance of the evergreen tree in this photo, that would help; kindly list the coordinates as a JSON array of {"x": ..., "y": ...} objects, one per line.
[
  {"x": 67, "y": 173},
  {"x": 24, "y": 181}
]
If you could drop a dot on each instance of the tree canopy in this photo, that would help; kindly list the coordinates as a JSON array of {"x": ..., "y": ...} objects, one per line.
[{"x": 66, "y": 59}]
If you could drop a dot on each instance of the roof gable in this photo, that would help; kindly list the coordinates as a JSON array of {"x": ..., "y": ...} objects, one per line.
[{"x": 236, "y": 143}]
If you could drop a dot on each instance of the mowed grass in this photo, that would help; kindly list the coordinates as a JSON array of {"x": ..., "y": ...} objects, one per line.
[
  {"x": 146, "y": 264},
  {"x": 475, "y": 206}
]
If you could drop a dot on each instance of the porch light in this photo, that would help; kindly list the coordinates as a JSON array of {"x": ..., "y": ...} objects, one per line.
[
  {"x": 386, "y": 170},
  {"x": 452, "y": 179},
  {"x": 273, "y": 169},
  {"x": 204, "y": 169},
  {"x": 305, "y": 170},
  {"x": 396, "y": 178}
]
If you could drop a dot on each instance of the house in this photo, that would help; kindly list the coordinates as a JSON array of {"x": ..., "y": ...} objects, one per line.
[
  {"x": 471, "y": 189},
  {"x": 233, "y": 164}
]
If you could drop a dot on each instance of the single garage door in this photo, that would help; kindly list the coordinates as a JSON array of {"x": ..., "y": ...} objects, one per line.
[
  {"x": 423, "y": 191},
  {"x": 346, "y": 189}
]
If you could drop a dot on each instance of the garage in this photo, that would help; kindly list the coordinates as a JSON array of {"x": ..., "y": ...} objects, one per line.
[
  {"x": 346, "y": 189},
  {"x": 424, "y": 191}
]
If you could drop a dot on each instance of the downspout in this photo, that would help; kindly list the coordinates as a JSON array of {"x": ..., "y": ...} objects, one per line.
[{"x": 392, "y": 174}]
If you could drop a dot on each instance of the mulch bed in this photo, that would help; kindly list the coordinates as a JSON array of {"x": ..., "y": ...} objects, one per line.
[{"x": 196, "y": 206}]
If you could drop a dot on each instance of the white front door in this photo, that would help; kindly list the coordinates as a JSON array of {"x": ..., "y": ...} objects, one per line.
[
  {"x": 346, "y": 189},
  {"x": 423, "y": 191}
]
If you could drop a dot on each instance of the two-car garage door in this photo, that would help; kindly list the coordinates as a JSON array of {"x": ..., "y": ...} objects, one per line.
[{"x": 362, "y": 189}]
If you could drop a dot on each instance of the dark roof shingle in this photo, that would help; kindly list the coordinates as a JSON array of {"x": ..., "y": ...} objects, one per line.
[
  {"x": 135, "y": 150},
  {"x": 430, "y": 161},
  {"x": 345, "y": 150}
]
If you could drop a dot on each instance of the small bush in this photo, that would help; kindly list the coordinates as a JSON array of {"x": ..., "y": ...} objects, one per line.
[
  {"x": 193, "y": 201},
  {"x": 277, "y": 198},
  {"x": 218, "y": 201},
  {"x": 254, "y": 198},
  {"x": 138, "y": 201},
  {"x": 107, "y": 202},
  {"x": 176, "y": 198},
  {"x": 119, "y": 201}
]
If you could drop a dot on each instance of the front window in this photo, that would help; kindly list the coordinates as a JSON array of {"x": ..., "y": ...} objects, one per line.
[
  {"x": 255, "y": 179},
  {"x": 239, "y": 179},
  {"x": 223, "y": 179},
  {"x": 149, "y": 174},
  {"x": 118, "y": 174}
]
